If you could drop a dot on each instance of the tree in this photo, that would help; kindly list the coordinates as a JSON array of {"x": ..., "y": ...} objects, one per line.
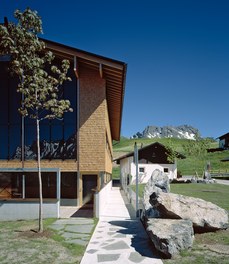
[
  {"x": 39, "y": 79},
  {"x": 170, "y": 151}
]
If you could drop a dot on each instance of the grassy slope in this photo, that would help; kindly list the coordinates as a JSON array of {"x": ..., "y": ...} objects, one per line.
[{"x": 188, "y": 166}]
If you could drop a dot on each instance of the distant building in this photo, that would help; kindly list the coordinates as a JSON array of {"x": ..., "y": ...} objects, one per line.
[
  {"x": 151, "y": 157},
  {"x": 223, "y": 143}
]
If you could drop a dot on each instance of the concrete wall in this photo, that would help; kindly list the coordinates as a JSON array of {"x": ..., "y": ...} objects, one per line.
[
  {"x": 25, "y": 210},
  {"x": 101, "y": 198}
]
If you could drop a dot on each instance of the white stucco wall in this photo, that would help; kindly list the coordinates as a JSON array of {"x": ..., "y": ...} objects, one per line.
[
  {"x": 127, "y": 167},
  {"x": 101, "y": 199},
  {"x": 222, "y": 143},
  {"x": 149, "y": 168}
]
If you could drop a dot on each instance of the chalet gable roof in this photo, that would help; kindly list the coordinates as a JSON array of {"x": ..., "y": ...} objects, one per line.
[
  {"x": 224, "y": 136},
  {"x": 155, "y": 153},
  {"x": 113, "y": 71}
]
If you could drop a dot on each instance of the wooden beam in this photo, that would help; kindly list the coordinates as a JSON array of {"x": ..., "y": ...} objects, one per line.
[
  {"x": 84, "y": 55},
  {"x": 76, "y": 66},
  {"x": 101, "y": 70}
]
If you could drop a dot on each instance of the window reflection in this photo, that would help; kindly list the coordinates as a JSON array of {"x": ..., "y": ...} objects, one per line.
[{"x": 57, "y": 137}]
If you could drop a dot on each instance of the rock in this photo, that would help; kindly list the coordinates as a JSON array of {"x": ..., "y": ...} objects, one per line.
[
  {"x": 205, "y": 216},
  {"x": 170, "y": 236},
  {"x": 158, "y": 182}
]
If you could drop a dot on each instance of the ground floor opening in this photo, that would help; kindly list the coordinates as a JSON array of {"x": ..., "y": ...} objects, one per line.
[{"x": 59, "y": 189}]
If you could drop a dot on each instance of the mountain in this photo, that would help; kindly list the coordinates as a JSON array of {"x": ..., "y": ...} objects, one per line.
[
  {"x": 58, "y": 149},
  {"x": 183, "y": 131}
]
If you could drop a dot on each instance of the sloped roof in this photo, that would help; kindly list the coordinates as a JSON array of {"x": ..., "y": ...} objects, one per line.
[
  {"x": 224, "y": 136},
  {"x": 113, "y": 71},
  {"x": 155, "y": 153}
]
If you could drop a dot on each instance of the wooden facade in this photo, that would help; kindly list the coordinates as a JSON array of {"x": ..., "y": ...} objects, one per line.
[{"x": 99, "y": 84}]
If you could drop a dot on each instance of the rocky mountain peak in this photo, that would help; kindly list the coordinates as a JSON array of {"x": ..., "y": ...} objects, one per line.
[{"x": 183, "y": 131}]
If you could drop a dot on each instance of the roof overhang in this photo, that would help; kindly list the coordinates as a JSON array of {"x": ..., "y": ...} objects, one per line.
[{"x": 113, "y": 71}]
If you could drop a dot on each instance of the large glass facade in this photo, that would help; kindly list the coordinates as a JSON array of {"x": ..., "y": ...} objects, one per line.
[
  {"x": 57, "y": 137},
  {"x": 11, "y": 185}
]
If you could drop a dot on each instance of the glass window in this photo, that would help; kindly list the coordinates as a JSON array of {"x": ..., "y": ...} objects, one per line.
[
  {"x": 31, "y": 185},
  {"x": 14, "y": 102},
  {"x": 57, "y": 142},
  {"x": 69, "y": 185},
  {"x": 10, "y": 185},
  {"x": 15, "y": 141},
  {"x": 4, "y": 94},
  {"x": 48, "y": 185},
  {"x": 30, "y": 141},
  {"x": 57, "y": 137},
  {"x": 4, "y": 142}
]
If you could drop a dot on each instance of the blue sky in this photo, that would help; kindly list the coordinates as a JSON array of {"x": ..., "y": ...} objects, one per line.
[{"x": 177, "y": 53}]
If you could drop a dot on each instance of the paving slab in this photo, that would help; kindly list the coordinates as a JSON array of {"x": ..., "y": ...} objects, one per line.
[
  {"x": 119, "y": 237},
  {"x": 74, "y": 231},
  {"x": 79, "y": 228}
]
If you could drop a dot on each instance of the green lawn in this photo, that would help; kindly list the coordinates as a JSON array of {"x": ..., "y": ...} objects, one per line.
[
  {"x": 19, "y": 244},
  {"x": 215, "y": 193}
]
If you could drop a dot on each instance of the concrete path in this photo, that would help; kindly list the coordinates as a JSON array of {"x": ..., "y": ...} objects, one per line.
[
  {"x": 225, "y": 182},
  {"x": 119, "y": 237}
]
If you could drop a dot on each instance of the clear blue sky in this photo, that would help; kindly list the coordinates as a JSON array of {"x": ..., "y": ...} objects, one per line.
[{"x": 177, "y": 53}]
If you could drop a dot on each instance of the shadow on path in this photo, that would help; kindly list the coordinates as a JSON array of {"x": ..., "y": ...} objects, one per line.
[
  {"x": 85, "y": 211},
  {"x": 139, "y": 241}
]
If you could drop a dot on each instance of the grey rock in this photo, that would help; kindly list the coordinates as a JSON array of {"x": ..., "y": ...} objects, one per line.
[
  {"x": 158, "y": 182},
  {"x": 170, "y": 236},
  {"x": 205, "y": 216}
]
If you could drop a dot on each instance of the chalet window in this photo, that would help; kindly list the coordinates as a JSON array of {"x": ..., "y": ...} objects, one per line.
[
  {"x": 141, "y": 169},
  {"x": 166, "y": 170}
]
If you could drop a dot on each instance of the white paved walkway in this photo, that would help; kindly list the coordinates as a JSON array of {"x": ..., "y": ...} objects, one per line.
[{"x": 119, "y": 237}]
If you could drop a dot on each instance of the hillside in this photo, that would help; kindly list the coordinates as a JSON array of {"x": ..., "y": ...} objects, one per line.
[{"x": 195, "y": 152}]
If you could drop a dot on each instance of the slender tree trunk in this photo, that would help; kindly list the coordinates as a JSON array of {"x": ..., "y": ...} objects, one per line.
[{"x": 40, "y": 229}]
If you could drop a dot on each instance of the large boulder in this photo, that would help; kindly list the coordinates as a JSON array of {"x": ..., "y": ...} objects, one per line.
[
  {"x": 158, "y": 182},
  {"x": 170, "y": 236},
  {"x": 205, "y": 216}
]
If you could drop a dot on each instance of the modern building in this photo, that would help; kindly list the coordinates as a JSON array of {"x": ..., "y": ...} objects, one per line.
[{"x": 76, "y": 152}]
